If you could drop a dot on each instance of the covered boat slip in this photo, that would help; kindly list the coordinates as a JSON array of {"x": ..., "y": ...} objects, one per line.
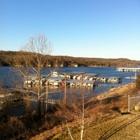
[
  {"x": 88, "y": 76},
  {"x": 57, "y": 78},
  {"x": 85, "y": 83},
  {"x": 74, "y": 74},
  {"x": 109, "y": 79},
  {"x": 71, "y": 78},
  {"x": 55, "y": 81}
]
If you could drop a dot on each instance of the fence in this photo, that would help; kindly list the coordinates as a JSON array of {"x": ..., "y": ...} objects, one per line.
[
  {"x": 12, "y": 97},
  {"x": 132, "y": 102}
]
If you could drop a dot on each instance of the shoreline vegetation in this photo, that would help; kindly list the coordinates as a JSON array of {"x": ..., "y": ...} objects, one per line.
[
  {"x": 106, "y": 118},
  {"x": 9, "y": 58}
]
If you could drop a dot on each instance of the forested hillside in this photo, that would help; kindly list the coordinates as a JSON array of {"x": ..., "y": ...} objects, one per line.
[{"x": 9, "y": 58}]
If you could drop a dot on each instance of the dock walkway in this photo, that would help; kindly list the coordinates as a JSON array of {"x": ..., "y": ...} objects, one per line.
[{"x": 128, "y": 69}]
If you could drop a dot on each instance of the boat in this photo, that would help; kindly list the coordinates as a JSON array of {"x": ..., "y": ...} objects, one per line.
[
  {"x": 33, "y": 80},
  {"x": 102, "y": 79},
  {"x": 54, "y": 81},
  {"x": 114, "y": 80},
  {"x": 132, "y": 77}
]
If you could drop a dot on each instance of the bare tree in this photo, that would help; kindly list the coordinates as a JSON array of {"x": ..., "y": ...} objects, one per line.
[
  {"x": 31, "y": 59},
  {"x": 73, "y": 110},
  {"x": 1, "y": 86}
]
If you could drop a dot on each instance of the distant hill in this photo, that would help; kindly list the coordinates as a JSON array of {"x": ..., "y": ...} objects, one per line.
[{"x": 8, "y": 58}]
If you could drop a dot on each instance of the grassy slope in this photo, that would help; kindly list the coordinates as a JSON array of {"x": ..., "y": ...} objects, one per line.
[{"x": 103, "y": 119}]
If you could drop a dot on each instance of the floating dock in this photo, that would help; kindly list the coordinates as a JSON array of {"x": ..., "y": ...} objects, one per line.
[
  {"x": 128, "y": 69},
  {"x": 76, "y": 79},
  {"x": 84, "y": 83}
]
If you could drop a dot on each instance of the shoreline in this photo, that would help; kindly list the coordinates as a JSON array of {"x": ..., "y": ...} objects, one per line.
[{"x": 122, "y": 90}]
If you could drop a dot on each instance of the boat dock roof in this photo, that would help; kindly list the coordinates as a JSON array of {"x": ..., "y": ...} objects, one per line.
[
  {"x": 80, "y": 81},
  {"x": 71, "y": 72},
  {"x": 56, "y": 78},
  {"x": 77, "y": 73},
  {"x": 90, "y": 74}
]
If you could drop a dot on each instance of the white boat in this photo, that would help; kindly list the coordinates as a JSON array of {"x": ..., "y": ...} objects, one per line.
[
  {"x": 55, "y": 81},
  {"x": 101, "y": 79},
  {"x": 114, "y": 79},
  {"x": 132, "y": 77}
]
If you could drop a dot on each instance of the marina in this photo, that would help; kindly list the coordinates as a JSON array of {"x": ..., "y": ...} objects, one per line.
[{"x": 77, "y": 79}]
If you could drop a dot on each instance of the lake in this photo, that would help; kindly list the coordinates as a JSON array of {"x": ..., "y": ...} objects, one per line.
[{"x": 7, "y": 77}]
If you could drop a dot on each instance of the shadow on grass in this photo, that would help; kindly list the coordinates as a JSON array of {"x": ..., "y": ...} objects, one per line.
[
  {"x": 117, "y": 127},
  {"x": 111, "y": 99},
  {"x": 125, "y": 113}
]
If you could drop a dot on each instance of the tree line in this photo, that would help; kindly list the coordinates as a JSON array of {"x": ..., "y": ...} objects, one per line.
[{"x": 9, "y": 58}]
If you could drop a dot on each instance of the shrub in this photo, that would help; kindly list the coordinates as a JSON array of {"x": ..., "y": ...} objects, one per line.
[{"x": 138, "y": 82}]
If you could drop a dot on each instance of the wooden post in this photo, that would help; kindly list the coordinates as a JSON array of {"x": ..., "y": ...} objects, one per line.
[
  {"x": 65, "y": 92},
  {"x": 83, "y": 112},
  {"x": 47, "y": 91},
  {"x": 128, "y": 103}
]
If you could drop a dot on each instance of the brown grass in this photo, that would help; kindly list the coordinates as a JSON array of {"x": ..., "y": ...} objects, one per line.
[
  {"x": 103, "y": 118},
  {"x": 98, "y": 111}
]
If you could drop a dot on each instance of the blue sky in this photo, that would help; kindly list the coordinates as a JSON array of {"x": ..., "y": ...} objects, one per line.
[{"x": 79, "y": 28}]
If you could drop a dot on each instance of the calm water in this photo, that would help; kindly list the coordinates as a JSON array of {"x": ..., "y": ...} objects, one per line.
[{"x": 8, "y": 78}]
